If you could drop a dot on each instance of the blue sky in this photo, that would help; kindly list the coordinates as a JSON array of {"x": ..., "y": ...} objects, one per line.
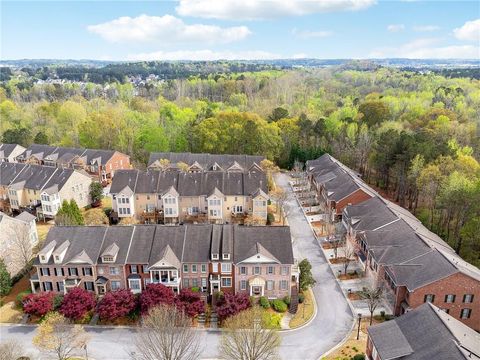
[{"x": 245, "y": 29}]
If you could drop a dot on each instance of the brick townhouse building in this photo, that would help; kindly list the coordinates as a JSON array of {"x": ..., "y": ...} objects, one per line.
[
  {"x": 335, "y": 185},
  {"x": 424, "y": 333},
  {"x": 160, "y": 196},
  {"x": 413, "y": 264},
  {"x": 100, "y": 164},
  {"x": 41, "y": 189},
  {"x": 204, "y": 256}
]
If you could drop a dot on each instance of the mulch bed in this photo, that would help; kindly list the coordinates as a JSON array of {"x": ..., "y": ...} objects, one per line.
[
  {"x": 338, "y": 260},
  {"x": 354, "y": 296},
  {"x": 348, "y": 276}
]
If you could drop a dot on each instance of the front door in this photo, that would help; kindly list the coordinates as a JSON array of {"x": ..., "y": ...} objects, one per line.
[
  {"x": 101, "y": 289},
  {"x": 256, "y": 290}
]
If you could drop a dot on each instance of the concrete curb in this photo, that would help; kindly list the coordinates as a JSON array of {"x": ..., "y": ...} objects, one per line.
[{"x": 315, "y": 311}]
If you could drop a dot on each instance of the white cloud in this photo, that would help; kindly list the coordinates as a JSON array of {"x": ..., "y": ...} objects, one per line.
[
  {"x": 426, "y": 28},
  {"x": 308, "y": 34},
  {"x": 204, "y": 55},
  {"x": 396, "y": 27},
  {"x": 165, "y": 29},
  {"x": 300, "y": 56},
  {"x": 470, "y": 31},
  {"x": 428, "y": 48},
  {"x": 265, "y": 9}
]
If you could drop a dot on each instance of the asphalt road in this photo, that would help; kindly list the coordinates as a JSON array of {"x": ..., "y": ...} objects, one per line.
[{"x": 331, "y": 324}]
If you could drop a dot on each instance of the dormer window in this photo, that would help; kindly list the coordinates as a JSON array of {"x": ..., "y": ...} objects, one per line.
[
  {"x": 214, "y": 256},
  {"x": 42, "y": 258},
  {"x": 108, "y": 259},
  {"x": 226, "y": 256},
  {"x": 57, "y": 258}
]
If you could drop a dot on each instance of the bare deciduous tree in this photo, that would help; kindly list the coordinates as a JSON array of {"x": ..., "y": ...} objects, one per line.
[
  {"x": 280, "y": 197},
  {"x": 245, "y": 337},
  {"x": 167, "y": 334},
  {"x": 374, "y": 298},
  {"x": 18, "y": 252},
  {"x": 56, "y": 335},
  {"x": 349, "y": 251},
  {"x": 11, "y": 350}
]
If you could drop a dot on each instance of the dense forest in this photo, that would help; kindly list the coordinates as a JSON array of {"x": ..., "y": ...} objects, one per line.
[{"x": 413, "y": 135}]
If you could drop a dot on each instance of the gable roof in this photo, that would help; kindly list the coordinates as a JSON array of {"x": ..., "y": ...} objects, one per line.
[
  {"x": 189, "y": 184},
  {"x": 275, "y": 242},
  {"x": 7, "y": 149},
  {"x": 424, "y": 333},
  {"x": 206, "y": 161}
]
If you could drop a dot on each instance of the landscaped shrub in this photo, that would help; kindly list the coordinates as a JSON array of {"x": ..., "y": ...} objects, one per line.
[
  {"x": 20, "y": 297},
  {"x": 264, "y": 302},
  {"x": 279, "y": 305},
  {"x": 232, "y": 304},
  {"x": 195, "y": 289},
  {"x": 359, "y": 357},
  {"x": 76, "y": 303},
  {"x": 271, "y": 320},
  {"x": 301, "y": 298},
  {"x": 57, "y": 301},
  {"x": 38, "y": 304},
  {"x": 190, "y": 302},
  {"x": 116, "y": 304},
  {"x": 287, "y": 300},
  {"x": 155, "y": 294}
]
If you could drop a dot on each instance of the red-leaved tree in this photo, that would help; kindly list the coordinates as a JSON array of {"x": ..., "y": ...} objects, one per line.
[
  {"x": 190, "y": 302},
  {"x": 116, "y": 304},
  {"x": 155, "y": 294},
  {"x": 76, "y": 303},
  {"x": 231, "y": 304},
  {"x": 38, "y": 304}
]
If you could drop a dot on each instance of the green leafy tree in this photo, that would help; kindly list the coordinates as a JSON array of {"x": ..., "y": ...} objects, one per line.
[
  {"x": 96, "y": 193},
  {"x": 5, "y": 280},
  {"x": 306, "y": 278},
  {"x": 278, "y": 113},
  {"x": 41, "y": 138},
  {"x": 69, "y": 214}
]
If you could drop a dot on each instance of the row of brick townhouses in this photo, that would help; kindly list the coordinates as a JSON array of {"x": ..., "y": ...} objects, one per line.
[
  {"x": 41, "y": 189},
  {"x": 424, "y": 333},
  {"x": 158, "y": 196},
  {"x": 227, "y": 258},
  {"x": 401, "y": 255},
  {"x": 199, "y": 162},
  {"x": 100, "y": 164},
  {"x": 335, "y": 186}
]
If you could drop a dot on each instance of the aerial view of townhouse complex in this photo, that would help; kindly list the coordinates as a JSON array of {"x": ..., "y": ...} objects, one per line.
[{"x": 208, "y": 228}]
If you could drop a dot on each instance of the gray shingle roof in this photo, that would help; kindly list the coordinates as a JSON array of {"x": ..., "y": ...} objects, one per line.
[
  {"x": 275, "y": 239},
  {"x": 65, "y": 155},
  {"x": 9, "y": 171},
  {"x": 7, "y": 149},
  {"x": 197, "y": 243},
  {"x": 206, "y": 161},
  {"x": 189, "y": 184},
  {"x": 141, "y": 245},
  {"x": 86, "y": 239},
  {"x": 147, "y": 244},
  {"x": 25, "y": 217},
  {"x": 424, "y": 333},
  {"x": 119, "y": 236}
]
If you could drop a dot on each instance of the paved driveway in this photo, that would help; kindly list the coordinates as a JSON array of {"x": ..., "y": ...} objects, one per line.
[{"x": 332, "y": 323}]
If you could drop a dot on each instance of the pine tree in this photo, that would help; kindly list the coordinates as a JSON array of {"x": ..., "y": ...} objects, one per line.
[{"x": 5, "y": 280}]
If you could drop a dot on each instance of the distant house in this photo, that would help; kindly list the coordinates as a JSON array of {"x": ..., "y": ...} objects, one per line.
[
  {"x": 424, "y": 333},
  {"x": 154, "y": 196},
  {"x": 9, "y": 152},
  {"x": 100, "y": 164},
  {"x": 227, "y": 258},
  {"x": 41, "y": 189},
  {"x": 410, "y": 262},
  {"x": 18, "y": 235},
  {"x": 205, "y": 162}
]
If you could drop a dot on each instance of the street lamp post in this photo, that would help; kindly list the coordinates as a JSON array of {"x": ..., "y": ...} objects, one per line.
[{"x": 359, "y": 321}]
